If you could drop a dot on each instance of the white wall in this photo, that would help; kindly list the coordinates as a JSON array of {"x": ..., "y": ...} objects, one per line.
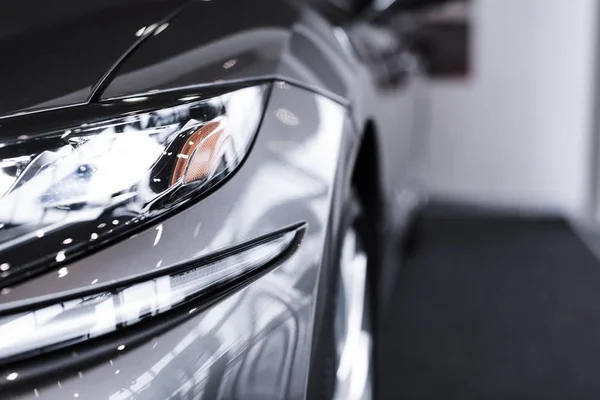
[{"x": 519, "y": 130}]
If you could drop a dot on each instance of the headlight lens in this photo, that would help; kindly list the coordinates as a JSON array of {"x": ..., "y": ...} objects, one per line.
[{"x": 68, "y": 191}]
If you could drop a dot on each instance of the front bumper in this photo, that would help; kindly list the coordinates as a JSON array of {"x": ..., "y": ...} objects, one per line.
[{"x": 254, "y": 343}]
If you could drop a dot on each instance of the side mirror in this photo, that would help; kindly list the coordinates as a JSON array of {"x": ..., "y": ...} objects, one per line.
[{"x": 438, "y": 31}]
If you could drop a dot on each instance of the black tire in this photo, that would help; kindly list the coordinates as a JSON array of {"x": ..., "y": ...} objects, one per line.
[{"x": 353, "y": 217}]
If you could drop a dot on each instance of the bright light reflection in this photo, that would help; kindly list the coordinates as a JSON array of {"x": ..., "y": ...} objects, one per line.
[
  {"x": 161, "y": 28},
  {"x": 189, "y": 98},
  {"x": 230, "y": 63},
  {"x": 159, "y": 230},
  {"x": 140, "y": 31},
  {"x": 287, "y": 117},
  {"x": 135, "y": 99}
]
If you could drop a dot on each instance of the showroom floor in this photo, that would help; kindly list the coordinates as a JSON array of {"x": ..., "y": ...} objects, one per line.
[{"x": 492, "y": 307}]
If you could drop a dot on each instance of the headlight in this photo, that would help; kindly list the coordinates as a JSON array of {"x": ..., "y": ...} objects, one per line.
[{"x": 64, "y": 192}]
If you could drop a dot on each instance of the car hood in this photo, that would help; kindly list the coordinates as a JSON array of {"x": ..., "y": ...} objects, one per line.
[
  {"x": 225, "y": 41},
  {"x": 54, "y": 52}
]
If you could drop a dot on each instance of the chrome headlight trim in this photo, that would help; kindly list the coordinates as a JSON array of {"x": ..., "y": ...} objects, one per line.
[{"x": 66, "y": 192}]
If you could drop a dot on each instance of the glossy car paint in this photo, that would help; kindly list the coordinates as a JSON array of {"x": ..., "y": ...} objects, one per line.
[{"x": 257, "y": 342}]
